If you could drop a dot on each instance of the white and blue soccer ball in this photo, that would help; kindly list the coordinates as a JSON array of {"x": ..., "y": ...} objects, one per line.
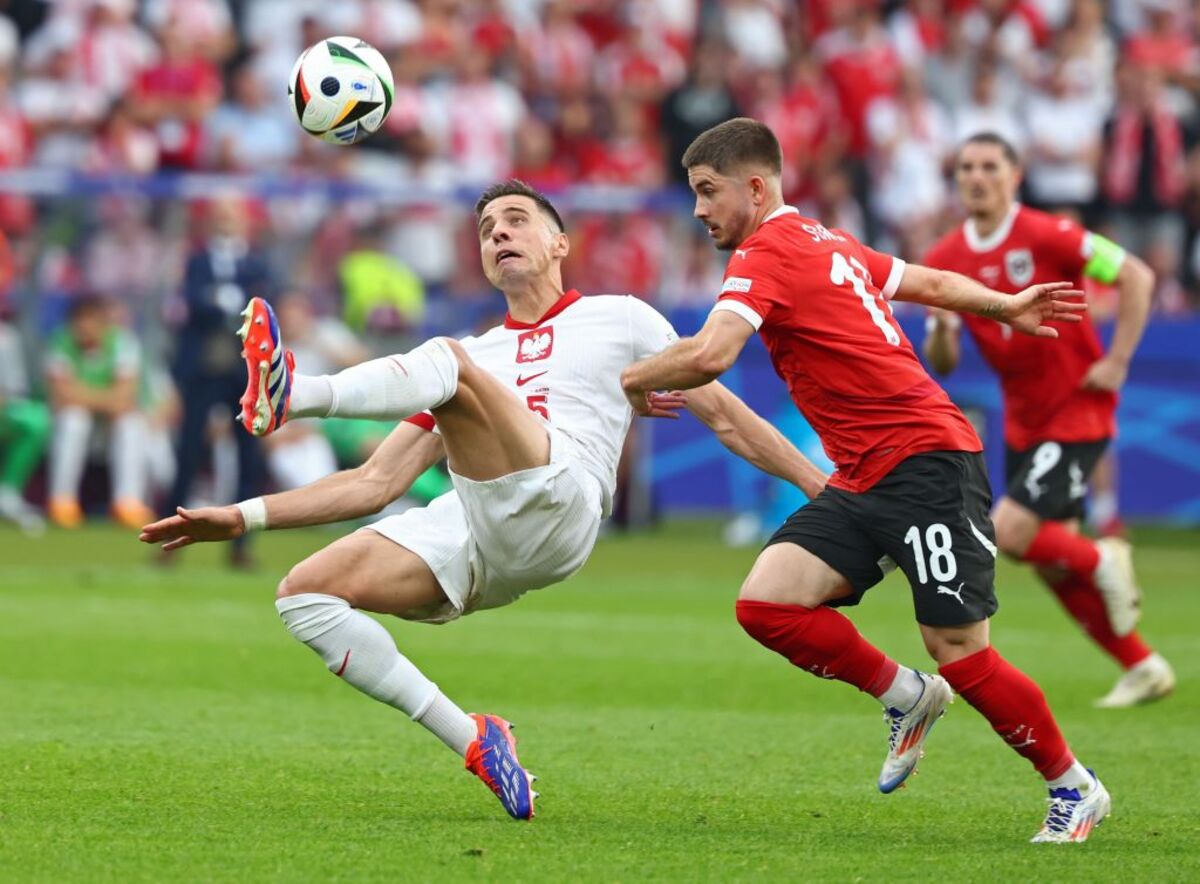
[{"x": 341, "y": 89}]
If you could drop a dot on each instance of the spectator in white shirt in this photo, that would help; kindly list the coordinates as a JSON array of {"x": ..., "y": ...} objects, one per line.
[{"x": 1064, "y": 144}]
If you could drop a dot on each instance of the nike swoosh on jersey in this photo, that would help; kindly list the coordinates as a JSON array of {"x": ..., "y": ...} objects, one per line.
[{"x": 522, "y": 381}]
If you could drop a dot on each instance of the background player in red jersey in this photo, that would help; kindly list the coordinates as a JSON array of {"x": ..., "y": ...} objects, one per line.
[
  {"x": 1060, "y": 400},
  {"x": 910, "y": 485}
]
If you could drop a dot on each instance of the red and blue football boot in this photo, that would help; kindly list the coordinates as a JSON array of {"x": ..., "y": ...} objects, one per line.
[
  {"x": 492, "y": 756},
  {"x": 269, "y": 370}
]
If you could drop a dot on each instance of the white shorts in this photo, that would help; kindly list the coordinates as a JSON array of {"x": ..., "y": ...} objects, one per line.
[{"x": 488, "y": 543}]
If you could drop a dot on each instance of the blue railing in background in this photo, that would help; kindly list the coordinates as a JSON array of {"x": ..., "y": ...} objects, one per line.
[
  {"x": 1158, "y": 446},
  {"x": 57, "y": 183}
]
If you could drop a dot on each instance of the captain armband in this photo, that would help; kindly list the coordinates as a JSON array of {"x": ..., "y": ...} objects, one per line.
[{"x": 1105, "y": 258}]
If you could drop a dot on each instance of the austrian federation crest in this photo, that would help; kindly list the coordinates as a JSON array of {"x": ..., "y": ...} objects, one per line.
[{"x": 1018, "y": 264}]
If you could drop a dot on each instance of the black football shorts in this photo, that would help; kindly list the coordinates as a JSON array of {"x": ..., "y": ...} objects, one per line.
[
  {"x": 930, "y": 515},
  {"x": 1051, "y": 477}
]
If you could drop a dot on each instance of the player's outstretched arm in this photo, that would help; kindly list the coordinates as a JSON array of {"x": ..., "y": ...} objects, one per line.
[
  {"x": 407, "y": 452},
  {"x": 1027, "y": 311},
  {"x": 689, "y": 362},
  {"x": 942, "y": 346},
  {"x": 752, "y": 438}
]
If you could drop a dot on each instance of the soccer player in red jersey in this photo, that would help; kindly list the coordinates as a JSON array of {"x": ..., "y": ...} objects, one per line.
[
  {"x": 1060, "y": 400},
  {"x": 910, "y": 485}
]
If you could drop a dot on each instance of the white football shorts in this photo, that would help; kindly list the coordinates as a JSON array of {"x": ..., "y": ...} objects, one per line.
[{"x": 488, "y": 543}]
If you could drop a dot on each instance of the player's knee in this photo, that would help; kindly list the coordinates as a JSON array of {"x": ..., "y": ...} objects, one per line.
[
  {"x": 1013, "y": 535},
  {"x": 1015, "y": 527},
  {"x": 766, "y": 621},
  {"x": 945, "y": 645},
  {"x": 309, "y": 576},
  {"x": 459, "y": 352},
  {"x": 751, "y": 616},
  {"x": 466, "y": 369}
]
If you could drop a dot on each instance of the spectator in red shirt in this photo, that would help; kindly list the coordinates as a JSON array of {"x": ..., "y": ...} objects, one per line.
[
  {"x": 641, "y": 65},
  {"x": 862, "y": 65},
  {"x": 557, "y": 56},
  {"x": 630, "y": 155},
  {"x": 619, "y": 253},
  {"x": 536, "y": 161},
  {"x": 16, "y": 151},
  {"x": 802, "y": 111},
  {"x": 175, "y": 95},
  {"x": 123, "y": 144},
  {"x": 1166, "y": 44},
  {"x": 492, "y": 32}
]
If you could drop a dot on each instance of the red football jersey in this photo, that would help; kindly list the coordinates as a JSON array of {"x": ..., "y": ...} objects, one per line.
[
  {"x": 1040, "y": 377},
  {"x": 819, "y": 299}
]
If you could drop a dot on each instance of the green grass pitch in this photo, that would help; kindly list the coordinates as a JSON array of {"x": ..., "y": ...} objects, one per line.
[{"x": 159, "y": 724}]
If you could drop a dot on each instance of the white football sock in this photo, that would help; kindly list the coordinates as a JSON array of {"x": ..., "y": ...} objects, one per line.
[
  {"x": 1075, "y": 777},
  {"x": 357, "y": 648},
  {"x": 68, "y": 450},
  {"x": 1102, "y": 507},
  {"x": 391, "y": 388},
  {"x": 906, "y": 689},
  {"x": 127, "y": 461}
]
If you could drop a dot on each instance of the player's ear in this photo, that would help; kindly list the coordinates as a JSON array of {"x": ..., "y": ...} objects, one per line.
[
  {"x": 561, "y": 247},
  {"x": 759, "y": 188}
]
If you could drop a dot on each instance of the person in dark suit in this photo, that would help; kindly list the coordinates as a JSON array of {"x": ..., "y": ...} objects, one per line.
[{"x": 222, "y": 274}]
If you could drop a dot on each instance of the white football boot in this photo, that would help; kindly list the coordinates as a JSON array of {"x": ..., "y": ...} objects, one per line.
[
  {"x": 908, "y": 730},
  {"x": 1072, "y": 816},
  {"x": 14, "y": 508},
  {"x": 1117, "y": 584},
  {"x": 1151, "y": 679}
]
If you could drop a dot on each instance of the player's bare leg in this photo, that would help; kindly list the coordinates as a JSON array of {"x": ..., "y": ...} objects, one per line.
[
  {"x": 488, "y": 432},
  {"x": 782, "y": 605},
  {"x": 322, "y": 600},
  {"x": 1094, "y": 582}
]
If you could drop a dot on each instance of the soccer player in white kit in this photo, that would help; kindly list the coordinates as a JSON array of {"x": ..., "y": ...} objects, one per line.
[{"x": 531, "y": 417}]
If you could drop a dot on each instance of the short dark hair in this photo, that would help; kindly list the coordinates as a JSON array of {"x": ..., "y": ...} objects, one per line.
[
  {"x": 87, "y": 303},
  {"x": 517, "y": 187},
  {"x": 735, "y": 143},
  {"x": 996, "y": 140}
]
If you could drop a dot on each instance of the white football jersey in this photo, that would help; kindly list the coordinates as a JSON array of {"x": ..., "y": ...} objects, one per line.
[{"x": 567, "y": 369}]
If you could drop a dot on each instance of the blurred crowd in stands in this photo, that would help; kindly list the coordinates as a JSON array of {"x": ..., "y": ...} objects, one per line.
[{"x": 137, "y": 297}]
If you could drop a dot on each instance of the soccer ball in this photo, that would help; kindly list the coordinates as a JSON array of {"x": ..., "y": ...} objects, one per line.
[{"x": 341, "y": 89}]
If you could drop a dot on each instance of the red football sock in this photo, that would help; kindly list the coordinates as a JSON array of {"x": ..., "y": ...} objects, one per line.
[
  {"x": 1082, "y": 600},
  {"x": 1058, "y": 546},
  {"x": 821, "y": 641},
  {"x": 1015, "y": 707}
]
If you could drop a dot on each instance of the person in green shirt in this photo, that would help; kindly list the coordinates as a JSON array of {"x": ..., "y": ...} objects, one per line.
[
  {"x": 93, "y": 370},
  {"x": 24, "y": 429}
]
